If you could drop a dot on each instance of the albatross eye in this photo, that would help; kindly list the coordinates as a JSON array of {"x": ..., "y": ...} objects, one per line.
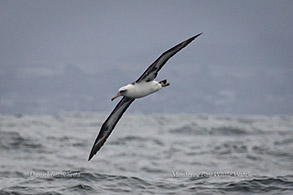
[{"x": 122, "y": 91}]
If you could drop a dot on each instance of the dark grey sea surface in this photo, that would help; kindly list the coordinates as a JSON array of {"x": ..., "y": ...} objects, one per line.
[{"x": 147, "y": 154}]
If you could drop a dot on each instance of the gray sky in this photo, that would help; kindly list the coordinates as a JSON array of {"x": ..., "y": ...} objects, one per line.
[{"x": 72, "y": 55}]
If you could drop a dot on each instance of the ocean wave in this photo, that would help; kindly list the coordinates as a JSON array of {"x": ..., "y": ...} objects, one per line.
[
  {"x": 223, "y": 130},
  {"x": 89, "y": 182},
  {"x": 14, "y": 141},
  {"x": 48, "y": 154},
  {"x": 261, "y": 184}
]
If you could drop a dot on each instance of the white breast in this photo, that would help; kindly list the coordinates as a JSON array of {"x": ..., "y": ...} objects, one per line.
[{"x": 141, "y": 89}]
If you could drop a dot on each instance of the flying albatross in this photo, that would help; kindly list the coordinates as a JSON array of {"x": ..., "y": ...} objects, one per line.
[{"x": 143, "y": 86}]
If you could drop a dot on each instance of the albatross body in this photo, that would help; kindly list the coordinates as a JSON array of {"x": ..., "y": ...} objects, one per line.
[
  {"x": 141, "y": 89},
  {"x": 143, "y": 86}
]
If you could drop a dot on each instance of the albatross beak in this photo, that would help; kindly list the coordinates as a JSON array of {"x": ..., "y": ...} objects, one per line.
[{"x": 116, "y": 96}]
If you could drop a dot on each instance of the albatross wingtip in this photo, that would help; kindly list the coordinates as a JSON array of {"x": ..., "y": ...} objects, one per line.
[
  {"x": 92, "y": 154},
  {"x": 90, "y": 157},
  {"x": 197, "y": 35}
]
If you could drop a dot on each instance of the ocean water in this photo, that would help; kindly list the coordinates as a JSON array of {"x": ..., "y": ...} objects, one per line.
[{"x": 147, "y": 154}]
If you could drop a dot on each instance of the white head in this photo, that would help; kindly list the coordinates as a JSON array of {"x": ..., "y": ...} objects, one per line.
[{"x": 122, "y": 91}]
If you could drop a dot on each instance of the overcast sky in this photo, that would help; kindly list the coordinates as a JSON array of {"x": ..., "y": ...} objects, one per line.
[{"x": 242, "y": 63}]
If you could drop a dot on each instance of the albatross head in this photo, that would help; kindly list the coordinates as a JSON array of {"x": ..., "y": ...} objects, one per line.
[{"x": 121, "y": 92}]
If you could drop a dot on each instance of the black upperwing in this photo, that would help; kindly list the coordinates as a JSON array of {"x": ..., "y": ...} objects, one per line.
[
  {"x": 152, "y": 71},
  {"x": 110, "y": 124}
]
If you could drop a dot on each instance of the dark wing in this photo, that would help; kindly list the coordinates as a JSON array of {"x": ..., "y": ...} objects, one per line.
[
  {"x": 152, "y": 71},
  {"x": 110, "y": 124}
]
